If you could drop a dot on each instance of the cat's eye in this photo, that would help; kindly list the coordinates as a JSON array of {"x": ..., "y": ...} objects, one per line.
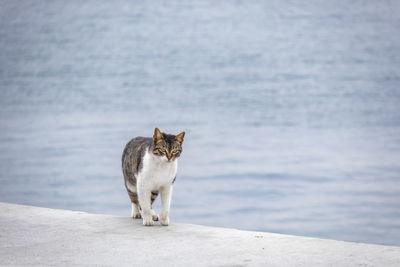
[
  {"x": 161, "y": 150},
  {"x": 175, "y": 152}
]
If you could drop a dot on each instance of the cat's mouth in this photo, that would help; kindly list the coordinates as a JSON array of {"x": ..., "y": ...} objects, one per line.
[{"x": 168, "y": 160}]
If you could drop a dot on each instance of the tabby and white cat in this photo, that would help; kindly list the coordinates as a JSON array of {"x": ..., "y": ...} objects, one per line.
[{"x": 149, "y": 166}]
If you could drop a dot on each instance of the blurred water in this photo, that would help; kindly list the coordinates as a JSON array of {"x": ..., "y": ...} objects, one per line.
[{"x": 291, "y": 110}]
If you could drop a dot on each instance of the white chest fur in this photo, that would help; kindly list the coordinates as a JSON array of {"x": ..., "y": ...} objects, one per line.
[{"x": 157, "y": 171}]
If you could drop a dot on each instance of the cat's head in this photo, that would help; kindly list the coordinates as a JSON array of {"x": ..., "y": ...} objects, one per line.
[{"x": 167, "y": 145}]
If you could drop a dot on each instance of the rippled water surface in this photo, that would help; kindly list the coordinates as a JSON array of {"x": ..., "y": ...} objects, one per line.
[{"x": 291, "y": 111}]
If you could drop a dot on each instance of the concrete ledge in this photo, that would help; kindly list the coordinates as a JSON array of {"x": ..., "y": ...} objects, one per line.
[{"x": 41, "y": 236}]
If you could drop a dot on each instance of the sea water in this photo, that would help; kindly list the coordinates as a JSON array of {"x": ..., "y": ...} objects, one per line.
[{"x": 291, "y": 110}]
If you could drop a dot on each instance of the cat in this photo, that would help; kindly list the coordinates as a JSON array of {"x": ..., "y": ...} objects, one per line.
[{"x": 149, "y": 166}]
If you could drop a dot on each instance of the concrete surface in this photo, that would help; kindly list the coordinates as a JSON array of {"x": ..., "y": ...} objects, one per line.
[{"x": 41, "y": 236}]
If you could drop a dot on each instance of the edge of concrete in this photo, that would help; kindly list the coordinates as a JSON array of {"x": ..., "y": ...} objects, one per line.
[{"x": 42, "y": 236}]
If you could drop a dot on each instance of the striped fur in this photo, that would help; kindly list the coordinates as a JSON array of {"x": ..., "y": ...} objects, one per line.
[{"x": 149, "y": 165}]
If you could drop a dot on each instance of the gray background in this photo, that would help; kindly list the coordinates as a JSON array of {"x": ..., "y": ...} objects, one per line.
[{"x": 291, "y": 110}]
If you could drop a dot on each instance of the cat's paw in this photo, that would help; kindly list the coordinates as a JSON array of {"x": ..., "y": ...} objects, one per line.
[
  {"x": 148, "y": 221},
  {"x": 154, "y": 215},
  {"x": 164, "y": 220},
  {"x": 136, "y": 216}
]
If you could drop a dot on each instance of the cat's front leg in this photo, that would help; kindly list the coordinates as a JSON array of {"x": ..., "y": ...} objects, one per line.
[
  {"x": 144, "y": 195},
  {"x": 166, "y": 194}
]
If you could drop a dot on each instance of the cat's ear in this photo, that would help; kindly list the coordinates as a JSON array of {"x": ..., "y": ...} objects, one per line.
[
  {"x": 179, "y": 137},
  {"x": 157, "y": 135}
]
